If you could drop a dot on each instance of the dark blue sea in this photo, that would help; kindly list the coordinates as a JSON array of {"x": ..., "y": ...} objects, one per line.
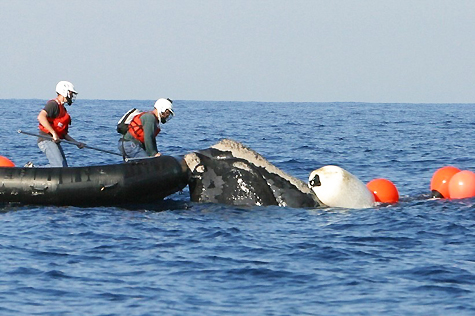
[{"x": 181, "y": 258}]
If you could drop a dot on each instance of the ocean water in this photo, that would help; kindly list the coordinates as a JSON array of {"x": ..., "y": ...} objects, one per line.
[{"x": 181, "y": 258}]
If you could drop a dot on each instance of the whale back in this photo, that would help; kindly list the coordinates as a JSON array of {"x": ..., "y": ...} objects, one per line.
[{"x": 230, "y": 173}]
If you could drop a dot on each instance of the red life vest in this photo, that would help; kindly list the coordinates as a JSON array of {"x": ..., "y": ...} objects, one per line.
[
  {"x": 136, "y": 128},
  {"x": 59, "y": 123}
]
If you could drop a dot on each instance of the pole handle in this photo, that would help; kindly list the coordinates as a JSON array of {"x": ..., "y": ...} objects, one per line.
[{"x": 68, "y": 142}]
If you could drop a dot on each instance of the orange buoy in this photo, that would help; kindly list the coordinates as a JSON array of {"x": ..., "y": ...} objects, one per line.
[
  {"x": 462, "y": 185},
  {"x": 5, "y": 162},
  {"x": 383, "y": 190},
  {"x": 439, "y": 184}
]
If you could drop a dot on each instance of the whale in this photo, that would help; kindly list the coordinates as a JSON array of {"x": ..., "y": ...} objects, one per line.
[
  {"x": 336, "y": 187},
  {"x": 230, "y": 173}
]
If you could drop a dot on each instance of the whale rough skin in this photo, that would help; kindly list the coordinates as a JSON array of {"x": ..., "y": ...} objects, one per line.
[{"x": 230, "y": 173}]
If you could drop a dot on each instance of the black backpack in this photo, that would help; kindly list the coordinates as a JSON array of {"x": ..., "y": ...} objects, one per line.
[{"x": 123, "y": 124}]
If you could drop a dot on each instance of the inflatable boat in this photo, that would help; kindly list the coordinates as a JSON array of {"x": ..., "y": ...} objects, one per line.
[{"x": 133, "y": 182}]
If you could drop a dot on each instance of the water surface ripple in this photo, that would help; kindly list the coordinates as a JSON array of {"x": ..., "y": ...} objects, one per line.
[{"x": 182, "y": 258}]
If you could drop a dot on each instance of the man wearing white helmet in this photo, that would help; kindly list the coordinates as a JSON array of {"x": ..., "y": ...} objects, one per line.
[
  {"x": 140, "y": 139},
  {"x": 54, "y": 121}
]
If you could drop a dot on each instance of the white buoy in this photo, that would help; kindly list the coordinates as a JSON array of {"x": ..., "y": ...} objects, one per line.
[{"x": 336, "y": 187}]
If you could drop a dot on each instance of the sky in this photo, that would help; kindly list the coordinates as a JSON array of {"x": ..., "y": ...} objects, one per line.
[{"x": 390, "y": 51}]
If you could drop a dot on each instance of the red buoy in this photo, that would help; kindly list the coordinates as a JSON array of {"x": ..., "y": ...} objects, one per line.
[
  {"x": 383, "y": 190},
  {"x": 5, "y": 162},
  {"x": 439, "y": 184},
  {"x": 462, "y": 185}
]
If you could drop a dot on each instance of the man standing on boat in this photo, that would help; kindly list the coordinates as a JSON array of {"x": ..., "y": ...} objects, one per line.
[
  {"x": 54, "y": 122},
  {"x": 140, "y": 139}
]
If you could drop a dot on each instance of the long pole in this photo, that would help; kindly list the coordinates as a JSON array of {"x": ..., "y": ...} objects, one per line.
[{"x": 68, "y": 142}]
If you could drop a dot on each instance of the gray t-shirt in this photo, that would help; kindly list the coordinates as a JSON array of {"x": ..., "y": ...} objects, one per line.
[{"x": 52, "y": 109}]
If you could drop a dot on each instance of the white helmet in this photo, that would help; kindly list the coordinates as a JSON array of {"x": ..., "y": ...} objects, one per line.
[
  {"x": 63, "y": 88},
  {"x": 164, "y": 104}
]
